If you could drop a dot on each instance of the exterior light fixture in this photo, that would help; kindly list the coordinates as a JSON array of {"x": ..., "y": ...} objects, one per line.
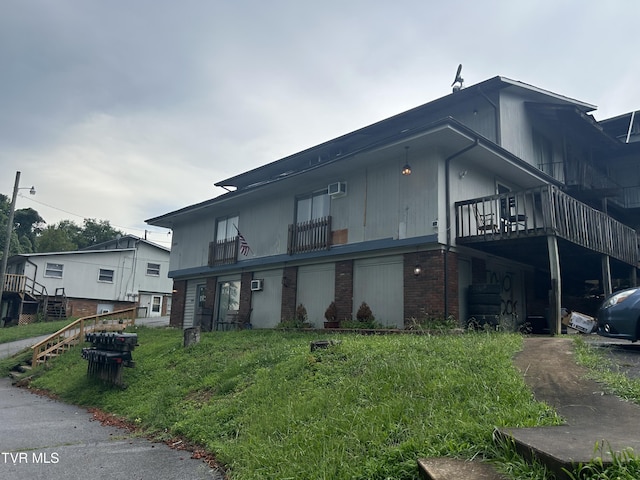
[
  {"x": 406, "y": 170},
  {"x": 417, "y": 270}
]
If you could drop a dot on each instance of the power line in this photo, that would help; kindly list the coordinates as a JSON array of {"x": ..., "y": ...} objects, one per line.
[{"x": 146, "y": 231}]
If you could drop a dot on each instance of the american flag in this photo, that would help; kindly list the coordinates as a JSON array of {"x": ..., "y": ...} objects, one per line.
[{"x": 244, "y": 245}]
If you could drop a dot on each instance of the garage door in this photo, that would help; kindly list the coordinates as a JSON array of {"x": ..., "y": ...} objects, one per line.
[{"x": 379, "y": 283}]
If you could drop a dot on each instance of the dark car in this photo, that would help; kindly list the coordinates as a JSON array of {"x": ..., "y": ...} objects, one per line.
[{"x": 619, "y": 315}]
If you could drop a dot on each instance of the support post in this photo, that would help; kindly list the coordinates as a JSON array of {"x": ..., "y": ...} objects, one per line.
[
  {"x": 555, "y": 299},
  {"x": 606, "y": 275}
]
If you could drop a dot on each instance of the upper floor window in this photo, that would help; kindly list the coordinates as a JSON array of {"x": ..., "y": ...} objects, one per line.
[
  {"x": 312, "y": 230},
  {"x": 105, "y": 275},
  {"x": 226, "y": 228},
  {"x": 312, "y": 207},
  {"x": 53, "y": 270},
  {"x": 153, "y": 269}
]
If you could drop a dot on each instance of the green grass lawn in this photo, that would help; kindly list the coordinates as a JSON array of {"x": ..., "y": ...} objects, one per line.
[
  {"x": 19, "y": 332},
  {"x": 365, "y": 408}
]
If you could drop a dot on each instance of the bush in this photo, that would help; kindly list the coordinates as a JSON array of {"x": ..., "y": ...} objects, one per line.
[
  {"x": 331, "y": 313},
  {"x": 300, "y": 320}
]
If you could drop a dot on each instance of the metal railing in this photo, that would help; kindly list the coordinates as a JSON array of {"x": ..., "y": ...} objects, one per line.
[
  {"x": 73, "y": 334},
  {"x": 544, "y": 211},
  {"x": 311, "y": 236}
]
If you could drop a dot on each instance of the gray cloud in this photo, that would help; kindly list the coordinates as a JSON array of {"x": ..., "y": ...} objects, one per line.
[{"x": 125, "y": 110}]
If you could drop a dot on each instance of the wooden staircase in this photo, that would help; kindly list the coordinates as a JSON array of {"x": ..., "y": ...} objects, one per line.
[
  {"x": 56, "y": 307},
  {"x": 73, "y": 334}
]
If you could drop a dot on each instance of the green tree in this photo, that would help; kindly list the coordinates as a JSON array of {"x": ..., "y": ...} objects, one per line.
[
  {"x": 60, "y": 237},
  {"x": 67, "y": 236},
  {"x": 27, "y": 224},
  {"x": 96, "y": 231}
]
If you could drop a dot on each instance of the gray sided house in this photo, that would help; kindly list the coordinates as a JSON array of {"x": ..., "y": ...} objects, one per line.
[
  {"x": 499, "y": 202},
  {"x": 123, "y": 273}
]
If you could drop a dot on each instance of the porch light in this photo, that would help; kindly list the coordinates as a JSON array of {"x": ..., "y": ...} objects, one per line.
[
  {"x": 406, "y": 170},
  {"x": 417, "y": 270}
]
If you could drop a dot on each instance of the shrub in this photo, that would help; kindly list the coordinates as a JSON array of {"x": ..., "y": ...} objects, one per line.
[
  {"x": 331, "y": 313},
  {"x": 364, "y": 313},
  {"x": 299, "y": 321}
]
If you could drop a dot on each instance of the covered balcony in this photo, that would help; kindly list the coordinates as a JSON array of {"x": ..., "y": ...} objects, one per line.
[{"x": 540, "y": 212}]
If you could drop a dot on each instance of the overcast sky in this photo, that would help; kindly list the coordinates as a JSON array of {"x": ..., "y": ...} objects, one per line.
[{"x": 123, "y": 110}]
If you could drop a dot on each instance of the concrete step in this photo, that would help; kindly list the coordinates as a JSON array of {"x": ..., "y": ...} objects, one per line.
[{"x": 444, "y": 468}]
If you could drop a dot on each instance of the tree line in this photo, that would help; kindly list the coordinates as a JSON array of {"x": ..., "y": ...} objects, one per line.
[{"x": 31, "y": 234}]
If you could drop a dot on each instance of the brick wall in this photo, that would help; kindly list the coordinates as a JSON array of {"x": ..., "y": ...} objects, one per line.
[
  {"x": 344, "y": 289},
  {"x": 177, "y": 303},
  {"x": 84, "y": 307},
  {"x": 244, "y": 309},
  {"x": 289, "y": 293},
  {"x": 424, "y": 293}
]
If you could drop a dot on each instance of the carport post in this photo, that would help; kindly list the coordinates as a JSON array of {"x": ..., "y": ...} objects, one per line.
[
  {"x": 555, "y": 299},
  {"x": 606, "y": 275}
]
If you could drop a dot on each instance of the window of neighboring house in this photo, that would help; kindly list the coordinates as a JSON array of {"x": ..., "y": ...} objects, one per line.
[
  {"x": 153, "y": 269},
  {"x": 105, "y": 275},
  {"x": 156, "y": 304},
  {"x": 53, "y": 270},
  {"x": 543, "y": 153},
  {"x": 312, "y": 207},
  {"x": 226, "y": 228}
]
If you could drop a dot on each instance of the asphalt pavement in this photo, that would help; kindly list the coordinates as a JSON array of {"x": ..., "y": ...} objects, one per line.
[{"x": 41, "y": 438}]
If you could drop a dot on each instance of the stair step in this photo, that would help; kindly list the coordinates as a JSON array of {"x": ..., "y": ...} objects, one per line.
[{"x": 444, "y": 468}]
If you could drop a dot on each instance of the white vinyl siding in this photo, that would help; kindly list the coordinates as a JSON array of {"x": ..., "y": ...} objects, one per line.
[
  {"x": 379, "y": 283},
  {"x": 316, "y": 286}
]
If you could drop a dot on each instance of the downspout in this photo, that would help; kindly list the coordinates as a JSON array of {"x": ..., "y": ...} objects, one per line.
[{"x": 447, "y": 163}]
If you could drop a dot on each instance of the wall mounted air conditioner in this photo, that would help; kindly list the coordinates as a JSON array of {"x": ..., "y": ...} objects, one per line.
[
  {"x": 256, "y": 285},
  {"x": 338, "y": 189}
]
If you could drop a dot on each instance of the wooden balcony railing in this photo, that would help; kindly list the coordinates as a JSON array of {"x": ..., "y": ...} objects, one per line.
[
  {"x": 544, "y": 211},
  {"x": 223, "y": 252},
  {"x": 23, "y": 284},
  {"x": 311, "y": 236}
]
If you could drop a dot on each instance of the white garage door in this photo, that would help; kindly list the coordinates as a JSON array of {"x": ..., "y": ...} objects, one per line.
[{"x": 379, "y": 283}]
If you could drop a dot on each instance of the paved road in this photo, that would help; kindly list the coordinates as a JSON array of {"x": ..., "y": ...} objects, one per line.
[{"x": 42, "y": 438}]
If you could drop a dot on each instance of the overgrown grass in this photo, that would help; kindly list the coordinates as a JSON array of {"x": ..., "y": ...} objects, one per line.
[
  {"x": 19, "y": 332},
  {"x": 365, "y": 408},
  {"x": 603, "y": 370},
  {"x": 625, "y": 465}
]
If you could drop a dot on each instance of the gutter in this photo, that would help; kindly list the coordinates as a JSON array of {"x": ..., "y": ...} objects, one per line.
[{"x": 447, "y": 164}]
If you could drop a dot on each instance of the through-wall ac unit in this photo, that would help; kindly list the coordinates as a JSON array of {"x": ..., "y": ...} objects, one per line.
[
  {"x": 337, "y": 189},
  {"x": 256, "y": 285}
]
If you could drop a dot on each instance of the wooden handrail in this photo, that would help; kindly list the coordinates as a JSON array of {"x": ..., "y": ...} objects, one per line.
[
  {"x": 74, "y": 333},
  {"x": 546, "y": 210}
]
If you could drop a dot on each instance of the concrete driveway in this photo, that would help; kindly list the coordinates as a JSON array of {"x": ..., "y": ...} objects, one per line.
[{"x": 42, "y": 438}]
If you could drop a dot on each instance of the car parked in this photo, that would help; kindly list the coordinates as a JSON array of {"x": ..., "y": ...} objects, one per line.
[{"x": 619, "y": 315}]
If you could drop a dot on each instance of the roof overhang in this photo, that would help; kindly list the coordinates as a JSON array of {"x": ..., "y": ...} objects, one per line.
[{"x": 447, "y": 136}]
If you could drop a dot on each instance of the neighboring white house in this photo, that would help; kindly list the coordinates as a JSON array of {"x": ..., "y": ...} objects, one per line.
[{"x": 121, "y": 273}]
